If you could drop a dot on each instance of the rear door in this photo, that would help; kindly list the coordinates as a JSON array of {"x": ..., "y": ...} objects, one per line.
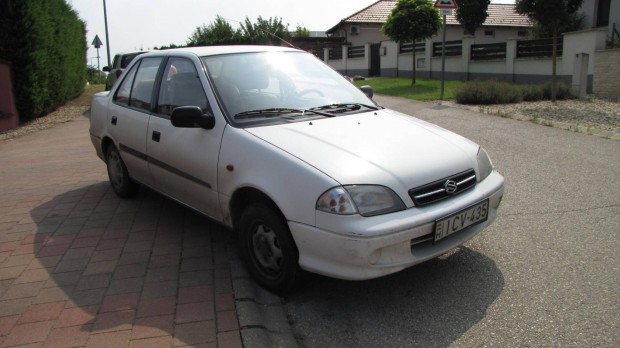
[
  {"x": 183, "y": 161},
  {"x": 129, "y": 116}
]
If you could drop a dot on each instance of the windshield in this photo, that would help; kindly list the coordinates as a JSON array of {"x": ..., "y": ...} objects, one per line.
[{"x": 266, "y": 87}]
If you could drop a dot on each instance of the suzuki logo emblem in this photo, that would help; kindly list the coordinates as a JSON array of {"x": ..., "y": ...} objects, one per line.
[{"x": 450, "y": 186}]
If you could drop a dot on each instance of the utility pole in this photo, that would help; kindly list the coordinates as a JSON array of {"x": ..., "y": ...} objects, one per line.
[
  {"x": 107, "y": 36},
  {"x": 446, "y": 7}
]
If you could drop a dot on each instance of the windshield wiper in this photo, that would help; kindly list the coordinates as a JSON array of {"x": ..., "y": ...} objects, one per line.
[
  {"x": 344, "y": 107},
  {"x": 273, "y": 112},
  {"x": 270, "y": 112}
]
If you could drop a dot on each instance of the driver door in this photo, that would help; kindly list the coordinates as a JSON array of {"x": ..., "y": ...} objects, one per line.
[{"x": 183, "y": 161}]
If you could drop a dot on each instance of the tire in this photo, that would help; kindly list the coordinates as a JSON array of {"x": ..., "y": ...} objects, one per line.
[
  {"x": 121, "y": 183},
  {"x": 269, "y": 250}
]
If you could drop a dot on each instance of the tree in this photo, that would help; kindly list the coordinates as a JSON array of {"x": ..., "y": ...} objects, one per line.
[
  {"x": 472, "y": 13},
  {"x": 265, "y": 31},
  {"x": 575, "y": 23},
  {"x": 301, "y": 31},
  {"x": 550, "y": 14},
  {"x": 219, "y": 32},
  {"x": 412, "y": 20}
]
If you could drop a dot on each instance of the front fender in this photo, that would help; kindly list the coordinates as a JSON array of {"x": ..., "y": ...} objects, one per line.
[{"x": 292, "y": 184}]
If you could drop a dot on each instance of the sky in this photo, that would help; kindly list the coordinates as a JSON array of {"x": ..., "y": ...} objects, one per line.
[{"x": 135, "y": 25}]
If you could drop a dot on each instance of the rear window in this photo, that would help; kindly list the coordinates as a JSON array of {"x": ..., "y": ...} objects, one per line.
[{"x": 127, "y": 58}]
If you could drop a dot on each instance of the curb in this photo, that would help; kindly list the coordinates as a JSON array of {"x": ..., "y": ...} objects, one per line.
[{"x": 262, "y": 320}]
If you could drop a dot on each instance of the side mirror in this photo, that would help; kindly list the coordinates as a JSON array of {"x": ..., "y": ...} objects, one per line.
[
  {"x": 191, "y": 117},
  {"x": 368, "y": 91},
  {"x": 106, "y": 68}
]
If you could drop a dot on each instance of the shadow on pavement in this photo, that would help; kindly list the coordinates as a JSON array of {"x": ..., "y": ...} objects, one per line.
[
  {"x": 429, "y": 305},
  {"x": 140, "y": 271}
]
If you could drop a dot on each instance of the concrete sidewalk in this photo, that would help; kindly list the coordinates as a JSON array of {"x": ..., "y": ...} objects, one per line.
[{"x": 81, "y": 267}]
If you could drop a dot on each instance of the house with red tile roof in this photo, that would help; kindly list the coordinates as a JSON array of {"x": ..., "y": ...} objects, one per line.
[
  {"x": 365, "y": 25},
  {"x": 500, "y": 49}
]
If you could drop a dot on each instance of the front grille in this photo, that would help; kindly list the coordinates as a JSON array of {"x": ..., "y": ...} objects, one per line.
[{"x": 443, "y": 188}]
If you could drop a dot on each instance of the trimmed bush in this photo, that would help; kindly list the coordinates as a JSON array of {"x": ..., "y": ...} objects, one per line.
[
  {"x": 493, "y": 92},
  {"x": 532, "y": 93},
  {"x": 563, "y": 91},
  {"x": 44, "y": 42},
  {"x": 487, "y": 92}
]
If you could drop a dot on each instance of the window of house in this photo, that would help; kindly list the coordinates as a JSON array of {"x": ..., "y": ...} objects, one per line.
[
  {"x": 489, "y": 33},
  {"x": 522, "y": 33},
  {"x": 467, "y": 32}
]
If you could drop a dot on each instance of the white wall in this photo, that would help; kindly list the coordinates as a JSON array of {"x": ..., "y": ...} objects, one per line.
[{"x": 586, "y": 41}]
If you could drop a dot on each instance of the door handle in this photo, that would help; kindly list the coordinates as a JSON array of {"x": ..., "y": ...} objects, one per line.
[
  {"x": 114, "y": 120},
  {"x": 156, "y": 136}
]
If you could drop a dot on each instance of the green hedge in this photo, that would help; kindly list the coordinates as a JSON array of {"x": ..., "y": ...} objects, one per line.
[
  {"x": 45, "y": 43},
  {"x": 493, "y": 92}
]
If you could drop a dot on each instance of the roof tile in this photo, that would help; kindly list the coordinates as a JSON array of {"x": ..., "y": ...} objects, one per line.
[{"x": 499, "y": 15}]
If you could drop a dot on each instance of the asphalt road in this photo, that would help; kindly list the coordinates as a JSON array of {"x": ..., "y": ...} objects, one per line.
[{"x": 546, "y": 273}]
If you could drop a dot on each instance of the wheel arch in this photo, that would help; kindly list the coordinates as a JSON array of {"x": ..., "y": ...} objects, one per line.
[
  {"x": 246, "y": 196},
  {"x": 106, "y": 142}
]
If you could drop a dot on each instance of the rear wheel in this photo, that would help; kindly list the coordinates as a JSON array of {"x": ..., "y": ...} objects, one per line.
[
  {"x": 269, "y": 249},
  {"x": 121, "y": 183}
]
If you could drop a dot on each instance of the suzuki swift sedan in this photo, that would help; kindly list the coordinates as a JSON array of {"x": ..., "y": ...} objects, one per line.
[{"x": 304, "y": 167}]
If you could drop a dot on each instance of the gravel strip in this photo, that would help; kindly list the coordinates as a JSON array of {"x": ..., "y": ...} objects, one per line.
[
  {"x": 62, "y": 115},
  {"x": 593, "y": 116}
]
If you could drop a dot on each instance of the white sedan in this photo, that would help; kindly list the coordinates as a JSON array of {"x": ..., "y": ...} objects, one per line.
[{"x": 307, "y": 170}]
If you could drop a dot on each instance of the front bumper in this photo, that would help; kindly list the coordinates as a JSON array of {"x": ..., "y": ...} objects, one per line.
[{"x": 357, "y": 248}]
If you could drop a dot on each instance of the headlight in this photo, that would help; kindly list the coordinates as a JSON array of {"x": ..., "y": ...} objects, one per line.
[
  {"x": 485, "y": 166},
  {"x": 367, "y": 200}
]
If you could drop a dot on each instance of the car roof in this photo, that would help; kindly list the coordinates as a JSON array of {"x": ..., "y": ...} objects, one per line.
[{"x": 230, "y": 49}]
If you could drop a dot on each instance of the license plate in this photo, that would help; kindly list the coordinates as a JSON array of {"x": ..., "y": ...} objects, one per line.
[{"x": 461, "y": 220}]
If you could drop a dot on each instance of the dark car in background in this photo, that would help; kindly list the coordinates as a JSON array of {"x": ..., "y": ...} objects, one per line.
[{"x": 120, "y": 62}]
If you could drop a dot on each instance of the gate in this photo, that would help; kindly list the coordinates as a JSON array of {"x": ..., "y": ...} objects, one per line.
[{"x": 375, "y": 60}]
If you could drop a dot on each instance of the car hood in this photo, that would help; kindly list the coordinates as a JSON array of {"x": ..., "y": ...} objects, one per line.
[{"x": 381, "y": 147}]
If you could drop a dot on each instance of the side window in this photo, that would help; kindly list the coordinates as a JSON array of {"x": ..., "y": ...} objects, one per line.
[
  {"x": 180, "y": 86},
  {"x": 142, "y": 89},
  {"x": 124, "y": 91}
]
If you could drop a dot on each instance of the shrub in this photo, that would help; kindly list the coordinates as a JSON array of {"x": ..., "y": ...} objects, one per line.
[
  {"x": 487, "y": 92},
  {"x": 493, "y": 92},
  {"x": 95, "y": 77},
  {"x": 563, "y": 91},
  {"x": 44, "y": 42},
  {"x": 532, "y": 92}
]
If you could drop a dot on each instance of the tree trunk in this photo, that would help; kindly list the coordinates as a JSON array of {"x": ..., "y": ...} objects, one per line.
[
  {"x": 413, "y": 76},
  {"x": 554, "y": 57}
]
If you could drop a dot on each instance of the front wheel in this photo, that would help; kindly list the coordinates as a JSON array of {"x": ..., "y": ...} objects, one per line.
[
  {"x": 121, "y": 183},
  {"x": 269, "y": 249}
]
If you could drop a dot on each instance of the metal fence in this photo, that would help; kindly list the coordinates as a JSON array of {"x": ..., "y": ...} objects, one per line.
[
  {"x": 356, "y": 52},
  {"x": 408, "y": 47},
  {"x": 488, "y": 51},
  {"x": 453, "y": 48},
  {"x": 538, "y": 48}
]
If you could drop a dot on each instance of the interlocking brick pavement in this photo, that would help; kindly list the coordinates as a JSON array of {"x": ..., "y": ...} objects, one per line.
[{"x": 81, "y": 267}]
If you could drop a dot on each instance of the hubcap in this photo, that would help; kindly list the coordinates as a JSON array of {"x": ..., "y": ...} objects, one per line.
[
  {"x": 267, "y": 251},
  {"x": 115, "y": 170}
]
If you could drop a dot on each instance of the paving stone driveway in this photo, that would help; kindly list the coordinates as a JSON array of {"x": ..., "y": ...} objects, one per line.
[{"x": 81, "y": 267}]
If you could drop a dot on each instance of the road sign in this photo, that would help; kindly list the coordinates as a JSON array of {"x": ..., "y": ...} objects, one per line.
[
  {"x": 445, "y": 11},
  {"x": 447, "y": 4},
  {"x": 97, "y": 42}
]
